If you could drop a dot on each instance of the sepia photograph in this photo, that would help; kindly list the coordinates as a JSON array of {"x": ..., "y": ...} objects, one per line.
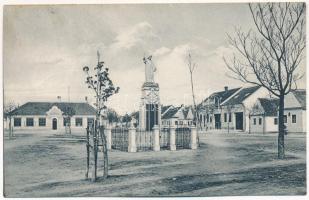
[{"x": 145, "y": 99}]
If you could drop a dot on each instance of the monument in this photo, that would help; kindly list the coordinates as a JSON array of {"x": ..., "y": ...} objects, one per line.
[{"x": 150, "y": 108}]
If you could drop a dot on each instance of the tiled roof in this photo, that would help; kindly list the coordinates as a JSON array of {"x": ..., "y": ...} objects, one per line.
[
  {"x": 40, "y": 108},
  {"x": 300, "y": 95},
  {"x": 222, "y": 95},
  {"x": 164, "y": 108},
  {"x": 170, "y": 113},
  {"x": 270, "y": 106},
  {"x": 241, "y": 95}
]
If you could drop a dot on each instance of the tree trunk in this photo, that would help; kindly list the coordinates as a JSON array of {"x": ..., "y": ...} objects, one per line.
[
  {"x": 105, "y": 153},
  {"x": 281, "y": 153},
  {"x": 195, "y": 108},
  {"x": 10, "y": 128}
]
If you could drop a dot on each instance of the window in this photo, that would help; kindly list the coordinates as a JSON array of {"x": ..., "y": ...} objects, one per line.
[
  {"x": 230, "y": 117},
  {"x": 79, "y": 121},
  {"x": 29, "y": 121},
  {"x": 225, "y": 117},
  {"x": 260, "y": 121},
  {"x": 66, "y": 121},
  {"x": 207, "y": 117},
  {"x": 17, "y": 121},
  {"x": 42, "y": 121},
  {"x": 176, "y": 122},
  {"x": 180, "y": 122},
  {"x": 285, "y": 119},
  {"x": 210, "y": 118},
  {"x": 275, "y": 121},
  {"x": 254, "y": 121},
  {"x": 293, "y": 119}
]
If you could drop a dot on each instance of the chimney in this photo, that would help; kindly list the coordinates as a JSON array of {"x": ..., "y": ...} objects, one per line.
[
  {"x": 59, "y": 98},
  {"x": 226, "y": 88}
]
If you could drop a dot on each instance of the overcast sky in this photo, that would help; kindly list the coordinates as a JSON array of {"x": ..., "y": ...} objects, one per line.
[{"x": 45, "y": 48}]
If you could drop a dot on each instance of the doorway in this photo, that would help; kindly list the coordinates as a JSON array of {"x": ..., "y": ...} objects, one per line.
[
  {"x": 217, "y": 121},
  {"x": 54, "y": 124},
  {"x": 239, "y": 120}
]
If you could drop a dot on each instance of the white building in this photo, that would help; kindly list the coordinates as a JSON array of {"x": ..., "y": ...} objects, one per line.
[
  {"x": 229, "y": 109},
  {"x": 51, "y": 116},
  {"x": 264, "y": 116},
  {"x": 295, "y": 111},
  {"x": 177, "y": 116}
]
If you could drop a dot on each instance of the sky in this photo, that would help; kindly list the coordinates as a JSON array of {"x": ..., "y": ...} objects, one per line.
[{"x": 46, "y": 47}]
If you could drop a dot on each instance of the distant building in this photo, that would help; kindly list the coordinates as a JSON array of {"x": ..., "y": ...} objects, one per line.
[
  {"x": 50, "y": 116},
  {"x": 229, "y": 109},
  {"x": 177, "y": 116}
]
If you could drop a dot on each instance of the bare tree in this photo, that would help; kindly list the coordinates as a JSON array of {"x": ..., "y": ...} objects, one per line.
[
  {"x": 192, "y": 67},
  {"x": 7, "y": 113},
  {"x": 270, "y": 57}
]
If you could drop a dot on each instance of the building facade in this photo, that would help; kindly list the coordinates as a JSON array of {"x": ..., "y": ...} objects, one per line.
[
  {"x": 229, "y": 109},
  {"x": 52, "y": 116}
]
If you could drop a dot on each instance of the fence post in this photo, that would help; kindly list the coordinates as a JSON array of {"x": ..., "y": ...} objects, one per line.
[
  {"x": 131, "y": 139},
  {"x": 156, "y": 138},
  {"x": 109, "y": 137},
  {"x": 172, "y": 138},
  {"x": 193, "y": 137}
]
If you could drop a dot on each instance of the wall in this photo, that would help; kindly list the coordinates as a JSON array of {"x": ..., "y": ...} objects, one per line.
[
  {"x": 300, "y": 125},
  {"x": 270, "y": 124},
  {"x": 49, "y": 119},
  {"x": 267, "y": 124}
]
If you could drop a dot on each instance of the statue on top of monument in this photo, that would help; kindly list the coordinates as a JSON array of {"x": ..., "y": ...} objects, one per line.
[{"x": 150, "y": 68}]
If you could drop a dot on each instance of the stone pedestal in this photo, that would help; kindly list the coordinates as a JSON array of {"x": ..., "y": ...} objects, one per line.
[
  {"x": 108, "y": 132},
  {"x": 150, "y": 107},
  {"x": 172, "y": 138},
  {"x": 156, "y": 138},
  {"x": 132, "y": 140},
  {"x": 193, "y": 144}
]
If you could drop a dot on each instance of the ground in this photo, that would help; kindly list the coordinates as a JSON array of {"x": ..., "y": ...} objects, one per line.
[{"x": 51, "y": 165}]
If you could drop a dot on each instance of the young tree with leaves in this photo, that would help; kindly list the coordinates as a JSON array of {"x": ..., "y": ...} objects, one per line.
[
  {"x": 270, "y": 57},
  {"x": 103, "y": 88}
]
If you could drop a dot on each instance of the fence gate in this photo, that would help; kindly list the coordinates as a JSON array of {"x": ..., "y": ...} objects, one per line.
[
  {"x": 164, "y": 138},
  {"x": 120, "y": 139},
  {"x": 183, "y": 138},
  {"x": 143, "y": 140}
]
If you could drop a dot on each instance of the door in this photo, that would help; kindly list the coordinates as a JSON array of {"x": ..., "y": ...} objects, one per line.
[
  {"x": 218, "y": 121},
  {"x": 54, "y": 124},
  {"x": 239, "y": 120}
]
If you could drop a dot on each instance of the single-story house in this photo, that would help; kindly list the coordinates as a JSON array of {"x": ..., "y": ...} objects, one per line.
[
  {"x": 52, "y": 116},
  {"x": 264, "y": 116},
  {"x": 295, "y": 111},
  {"x": 177, "y": 116}
]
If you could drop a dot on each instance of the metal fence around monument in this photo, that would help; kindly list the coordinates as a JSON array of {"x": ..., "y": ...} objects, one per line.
[
  {"x": 165, "y": 138},
  {"x": 144, "y": 140},
  {"x": 120, "y": 139},
  {"x": 183, "y": 137}
]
